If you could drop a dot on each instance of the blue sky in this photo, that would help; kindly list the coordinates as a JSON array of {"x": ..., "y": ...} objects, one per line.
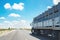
[{"x": 25, "y": 10}]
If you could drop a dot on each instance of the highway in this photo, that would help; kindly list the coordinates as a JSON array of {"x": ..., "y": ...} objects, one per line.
[{"x": 21, "y": 35}]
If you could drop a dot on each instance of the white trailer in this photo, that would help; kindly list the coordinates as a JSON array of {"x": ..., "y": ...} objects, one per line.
[{"x": 48, "y": 24}]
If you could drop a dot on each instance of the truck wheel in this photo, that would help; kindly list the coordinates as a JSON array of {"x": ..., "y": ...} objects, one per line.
[
  {"x": 35, "y": 31},
  {"x": 54, "y": 35},
  {"x": 41, "y": 32},
  {"x": 32, "y": 31},
  {"x": 59, "y": 36}
]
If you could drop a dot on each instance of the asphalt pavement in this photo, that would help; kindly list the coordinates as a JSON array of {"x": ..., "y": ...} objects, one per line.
[{"x": 22, "y": 35}]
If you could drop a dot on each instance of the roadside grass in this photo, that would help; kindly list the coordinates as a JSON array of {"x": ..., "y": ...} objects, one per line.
[
  {"x": 25, "y": 29},
  {"x": 28, "y": 29},
  {"x": 2, "y": 31}
]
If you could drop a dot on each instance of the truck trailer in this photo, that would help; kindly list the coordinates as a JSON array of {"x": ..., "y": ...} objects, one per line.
[{"x": 48, "y": 23}]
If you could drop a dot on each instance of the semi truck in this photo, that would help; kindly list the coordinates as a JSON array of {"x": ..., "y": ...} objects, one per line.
[{"x": 48, "y": 23}]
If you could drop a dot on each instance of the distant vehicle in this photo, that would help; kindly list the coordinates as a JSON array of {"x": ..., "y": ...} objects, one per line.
[{"x": 48, "y": 23}]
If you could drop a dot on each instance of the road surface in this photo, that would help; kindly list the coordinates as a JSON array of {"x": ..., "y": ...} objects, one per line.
[{"x": 20, "y": 35}]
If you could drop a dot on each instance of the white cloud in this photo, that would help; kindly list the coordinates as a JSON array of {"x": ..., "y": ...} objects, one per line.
[
  {"x": 1, "y": 25},
  {"x": 2, "y": 17},
  {"x": 48, "y": 7},
  {"x": 14, "y": 15},
  {"x": 15, "y": 24},
  {"x": 15, "y": 6},
  {"x": 23, "y": 21},
  {"x": 6, "y": 22},
  {"x": 55, "y": 2},
  {"x": 19, "y": 6},
  {"x": 7, "y": 6}
]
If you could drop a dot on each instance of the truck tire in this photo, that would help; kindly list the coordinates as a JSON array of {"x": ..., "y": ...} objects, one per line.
[
  {"x": 32, "y": 31},
  {"x": 35, "y": 31},
  {"x": 59, "y": 36},
  {"x": 54, "y": 35}
]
